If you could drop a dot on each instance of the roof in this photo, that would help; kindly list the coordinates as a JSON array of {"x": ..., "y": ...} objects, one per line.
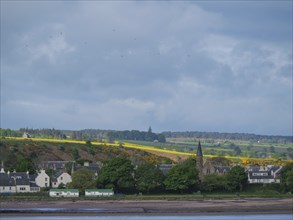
[
  {"x": 99, "y": 190},
  {"x": 21, "y": 178},
  {"x": 12, "y": 179},
  {"x": 32, "y": 184},
  {"x": 33, "y": 177},
  {"x": 5, "y": 180},
  {"x": 264, "y": 169},
  {"x": 64, "y": 190},
  {"x": 93, "y": 167},
  {"x": 56, "y": 175},
  {"x": 260, "y": 175},
  {"x": 55, "y": 164},
  {"x": 199, "y": 150}
]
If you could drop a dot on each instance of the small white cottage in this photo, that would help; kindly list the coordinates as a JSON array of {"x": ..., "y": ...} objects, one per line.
[
  {"x": 60, "y": 177},
  {"x": 64, "y": 193},
  {"x": 42, "y": 179},
  {"x": 99, "y": 192}
]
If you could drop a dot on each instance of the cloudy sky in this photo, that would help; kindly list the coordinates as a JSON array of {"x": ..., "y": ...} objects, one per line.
[{"x": 175, "y": 66}]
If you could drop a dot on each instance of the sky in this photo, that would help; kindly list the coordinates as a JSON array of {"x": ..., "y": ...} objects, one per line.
[{"x": 221, "y": 66}]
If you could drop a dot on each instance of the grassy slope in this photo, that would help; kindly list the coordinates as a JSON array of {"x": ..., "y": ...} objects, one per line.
[
  {"x": 169, "y": 150},
  {"x": 49, "y": 149}
]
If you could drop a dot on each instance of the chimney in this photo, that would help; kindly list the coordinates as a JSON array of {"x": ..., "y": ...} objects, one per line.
[{"x": 2, "y": 167}]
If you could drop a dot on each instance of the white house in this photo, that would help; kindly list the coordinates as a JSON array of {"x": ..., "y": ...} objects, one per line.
[
  {"x": 64, "y": 193},
  {"x": 42, "y": 179},
  {"x": 17, "y": 182},
  {"x": 22, "y": 181},
  {"x": 26, "y": 135},
  {"x": 99, "y": 192},
  {"x": 269, "y": 174},
  {"x": 60, "y": 177}
]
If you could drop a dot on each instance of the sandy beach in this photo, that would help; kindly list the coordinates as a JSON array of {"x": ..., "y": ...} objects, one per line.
[{"x": 150, "y": 207}]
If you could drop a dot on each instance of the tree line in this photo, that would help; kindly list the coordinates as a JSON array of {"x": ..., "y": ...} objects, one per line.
[
  {"x": 230, "y": 136},
  {"x": 87, "y": 134},
  {"x": 120, "y": 175},
  {"x": 99, "y": 134}
]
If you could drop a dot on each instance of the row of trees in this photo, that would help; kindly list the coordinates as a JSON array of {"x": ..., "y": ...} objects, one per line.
[
  {"x": 136, "y": 135},
  {"x": 93, "y": 134},
  {"x": 119, "y": 174},
  {"x": 42, "y": 133},
  {"x": 230, "y": 136},
  {"x": 87, "y": 134}
]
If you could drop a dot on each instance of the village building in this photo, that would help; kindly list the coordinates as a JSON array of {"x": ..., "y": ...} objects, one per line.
[
  {"x": 87, "y": 166},
  {"x": 99, "y": 192},
  {"x": 54, "y": 165},
  {"x": 208, "y": 167},
  {"x": 26, "y": 135},
  {"x": 42, "y": 179},
  {"x": 7, "y": 184},
  {"x": 264, "y": 174},
  {"x": 64, "y": 193},
  {"x": 60, "y": 178},
  {"x": 17, "y": 182}
]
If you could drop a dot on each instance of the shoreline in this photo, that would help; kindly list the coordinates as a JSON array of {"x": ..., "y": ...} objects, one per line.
[{"x": 149, "y": 207}]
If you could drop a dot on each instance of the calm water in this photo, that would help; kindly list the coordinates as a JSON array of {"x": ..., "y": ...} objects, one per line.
[{"x": 220, "y": 217}]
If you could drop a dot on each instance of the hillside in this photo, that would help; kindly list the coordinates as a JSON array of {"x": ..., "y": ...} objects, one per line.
[{"x": 46, "y": 150}]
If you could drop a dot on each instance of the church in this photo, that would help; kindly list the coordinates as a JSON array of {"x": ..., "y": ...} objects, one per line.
[{"x": 208, "y": 167}]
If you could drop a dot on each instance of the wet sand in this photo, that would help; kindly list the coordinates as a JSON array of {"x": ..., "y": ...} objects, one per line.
[{"x": 149, "y": 207}]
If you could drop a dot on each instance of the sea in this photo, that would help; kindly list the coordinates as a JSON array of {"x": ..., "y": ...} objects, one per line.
[{"x": 213, "y": 217}]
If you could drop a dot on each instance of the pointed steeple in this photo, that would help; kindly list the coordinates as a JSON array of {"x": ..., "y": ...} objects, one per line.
[
  {"x": 199, "y": 162},
  {"x": 199, "y": 150}
]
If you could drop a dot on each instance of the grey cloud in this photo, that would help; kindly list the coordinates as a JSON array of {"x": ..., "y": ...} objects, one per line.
[{"x": 128, "y": 65}]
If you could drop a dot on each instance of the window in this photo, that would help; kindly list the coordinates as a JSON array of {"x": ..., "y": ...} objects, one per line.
[
  {"x": 46, "y": 179},
  {"x": 46, "y": 184},
  {"x": 61, "y": 178}
]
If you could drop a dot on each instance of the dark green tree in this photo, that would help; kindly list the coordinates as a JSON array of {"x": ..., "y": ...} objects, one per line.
[
  {"x": 214, "y": 182},
  {"x": 149, "y": 178},
  {"x": 83, "y": 179},
  {"x": 287, "y": 178},
  {"x": 68, "y": 167},
  {"x": 161, "y": 138},
  {"x": 150, "y": 136},
  {"x": 117, "y": 174},
  {"x": 183, "y": 177},
  {"x": 236, "y": 179},
  {"x": 75, "y": 153},
  {"x": 25, "y": 164}
]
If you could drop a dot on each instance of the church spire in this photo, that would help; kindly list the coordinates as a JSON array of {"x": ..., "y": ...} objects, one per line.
[
  {"x": 199, "y": 150},
  {"x": 199, "y": 162}
]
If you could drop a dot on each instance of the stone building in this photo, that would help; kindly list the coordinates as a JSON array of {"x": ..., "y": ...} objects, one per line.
[{"x": 206, "y": 167}]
